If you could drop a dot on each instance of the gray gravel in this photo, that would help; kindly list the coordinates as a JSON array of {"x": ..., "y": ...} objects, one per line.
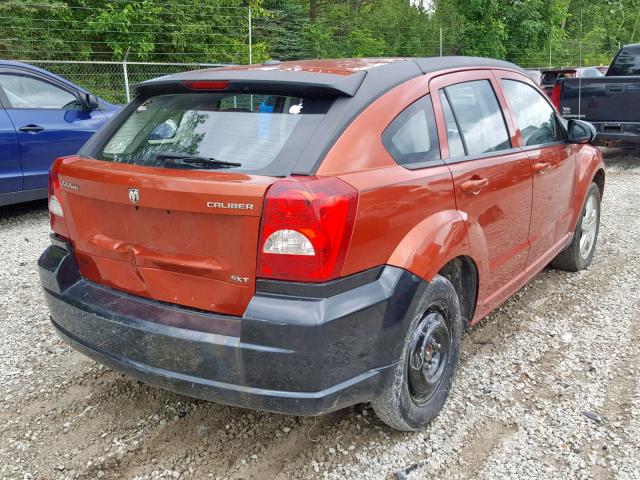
[{"x": 548, "y": 388}]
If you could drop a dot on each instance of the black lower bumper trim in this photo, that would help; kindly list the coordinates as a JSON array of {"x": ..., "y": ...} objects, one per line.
[
  {"x": 289, "y": 354},
  {"x": 350, "y": 392}
]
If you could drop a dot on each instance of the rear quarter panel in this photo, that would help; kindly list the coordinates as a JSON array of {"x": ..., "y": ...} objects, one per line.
[{"x": 406, "y": 218}]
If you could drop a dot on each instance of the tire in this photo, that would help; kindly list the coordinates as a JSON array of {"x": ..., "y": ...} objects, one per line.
[
  {"x": 578, "y": 255},
  {"x": 420, "y": 384}
]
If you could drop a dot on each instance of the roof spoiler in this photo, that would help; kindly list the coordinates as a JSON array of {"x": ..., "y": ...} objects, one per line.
[{"x": 259, "y": 81}]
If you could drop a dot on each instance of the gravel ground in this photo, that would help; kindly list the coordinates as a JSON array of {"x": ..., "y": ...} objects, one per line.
[{"x": 548, "y": 388}]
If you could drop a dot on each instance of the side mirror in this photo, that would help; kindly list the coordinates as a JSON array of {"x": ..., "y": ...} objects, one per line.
[
  {"x": 580, "y": 131},
  {"x": 90, "y": 101}
]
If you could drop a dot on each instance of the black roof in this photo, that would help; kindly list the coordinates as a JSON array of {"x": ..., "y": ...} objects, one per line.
[
  {"x": 355, "y": 84},
  {"x": 304, "y": 77}
]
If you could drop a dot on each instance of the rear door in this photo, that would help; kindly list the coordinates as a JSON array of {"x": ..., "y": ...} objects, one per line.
[
  {"x": 552, "y": 162},
  {"x": 153, "y": 214},
  {"x": 10, "y": 168},
  {"x": 49, "y": 119},
  {"x": 492, "y": 177}
]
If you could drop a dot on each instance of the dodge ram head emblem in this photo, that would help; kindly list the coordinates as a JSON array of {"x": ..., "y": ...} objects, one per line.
[{"x": 134, "y": 195}]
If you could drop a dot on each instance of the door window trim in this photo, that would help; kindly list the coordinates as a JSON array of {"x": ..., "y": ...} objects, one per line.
[
  {"x": 480, "y": 156},
  {"x": 455, "y": 119}
]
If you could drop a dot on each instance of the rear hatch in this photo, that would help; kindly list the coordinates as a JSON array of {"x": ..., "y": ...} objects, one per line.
[
  {"x": 167, "y": 204},
  {"x": 185, "y": 239}
]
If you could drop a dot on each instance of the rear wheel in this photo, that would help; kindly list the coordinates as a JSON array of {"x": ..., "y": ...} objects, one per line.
[
  {"x": 579, "y": 254},
  {"x": 423, "y": 377}
]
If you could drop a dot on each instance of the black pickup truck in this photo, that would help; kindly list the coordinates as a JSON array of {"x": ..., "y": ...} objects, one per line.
[{"x": 611, "y": 103}]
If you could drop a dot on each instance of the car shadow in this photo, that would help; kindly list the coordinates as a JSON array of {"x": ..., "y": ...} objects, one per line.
[{"x": 9, "y": 212}]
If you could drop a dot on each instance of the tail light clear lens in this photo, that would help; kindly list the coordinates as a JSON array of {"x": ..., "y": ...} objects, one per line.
[
  {"x": 56, "y": 213},
  {"x": 307, "y": 224},
  {"x": 288, "y": 242},
  {"x": 54, "y": 206}
]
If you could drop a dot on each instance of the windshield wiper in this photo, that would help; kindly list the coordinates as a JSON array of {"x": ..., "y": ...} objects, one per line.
[{"x": 195, "y": 160}]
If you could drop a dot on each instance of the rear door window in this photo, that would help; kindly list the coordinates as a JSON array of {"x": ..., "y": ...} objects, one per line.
[
  {"x": 247, "y": 129},
  {"x": 479, "y": 117},
  {"x": 454, "y": 139},
  {"x": 412, "y": 137}
]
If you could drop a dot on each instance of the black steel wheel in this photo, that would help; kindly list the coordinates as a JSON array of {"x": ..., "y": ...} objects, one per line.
[
  {"x": 429, "y": 356},
  {"x": 420, "y": 384}
]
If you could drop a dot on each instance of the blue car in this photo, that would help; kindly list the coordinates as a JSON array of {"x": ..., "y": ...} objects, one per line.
[{"x": 42, "y": 117}]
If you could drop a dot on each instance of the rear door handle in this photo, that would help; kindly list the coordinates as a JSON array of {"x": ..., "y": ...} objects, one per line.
[
  {"x": 31, "y": 128},
  {"x": 540, "y": 167},
  {"x": 474, "y": 186},
  {"x": 615, "y": 88}
]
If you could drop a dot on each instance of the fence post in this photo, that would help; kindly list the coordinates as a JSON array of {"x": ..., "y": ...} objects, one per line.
[
  {"x": 126, "y": 74},
  {"x": 250, "y": 40}
]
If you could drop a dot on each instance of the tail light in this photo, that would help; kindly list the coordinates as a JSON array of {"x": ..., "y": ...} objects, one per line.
[
  {"x": 56, "y": 214},
  {"x": 555, "y": 94},
  {"x": 307, "y": 224}
]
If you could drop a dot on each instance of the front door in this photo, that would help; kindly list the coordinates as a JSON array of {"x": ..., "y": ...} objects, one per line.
[
  {"x": 492, "y": 179},
  {"x": 50, "y": 122},
  {"x": 552, "y": 163}
]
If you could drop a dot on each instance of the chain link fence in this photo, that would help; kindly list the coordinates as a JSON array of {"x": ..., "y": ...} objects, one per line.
[
  {"x": 236, "y": 37},
  {"x": 114, "y": 81}
]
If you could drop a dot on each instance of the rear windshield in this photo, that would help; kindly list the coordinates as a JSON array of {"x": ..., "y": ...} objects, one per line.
[
  {"x": 549, "y": 78},
  {"x": 242, "y": 132}
]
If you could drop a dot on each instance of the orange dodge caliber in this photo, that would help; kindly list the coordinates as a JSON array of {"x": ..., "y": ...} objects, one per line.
[{"x": 303, "y": 236}]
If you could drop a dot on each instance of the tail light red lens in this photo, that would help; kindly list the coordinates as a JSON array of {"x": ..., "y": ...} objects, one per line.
[
  {"x": 555, "y": 94},
  {"x": 56, "y": 214},
  {"x": 307, "y": 224},
  {"x": 54, "y": 179}
]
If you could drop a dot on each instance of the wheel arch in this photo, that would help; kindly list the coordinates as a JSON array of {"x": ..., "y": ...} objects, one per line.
[
  {"x": 431, "y": 243},
  {"x": 462, "y": 272},
  {"x": 589, "y": 169},
  {"x": 598, "y": 179},
  {"x": 439, "y": 244}
]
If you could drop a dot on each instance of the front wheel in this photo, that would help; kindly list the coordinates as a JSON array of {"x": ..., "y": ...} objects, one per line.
[
  {"x": 421, "y": 382},
  {"x": 579, "y": 254}
]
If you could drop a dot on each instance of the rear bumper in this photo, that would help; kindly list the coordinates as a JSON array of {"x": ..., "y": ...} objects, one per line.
[
  {"x": 611, "y": 134},
  {"x": 299, "y": 349}
]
